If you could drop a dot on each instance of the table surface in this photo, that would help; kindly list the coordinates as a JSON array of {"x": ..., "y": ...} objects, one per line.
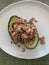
[{"x": 6, "y": 59}]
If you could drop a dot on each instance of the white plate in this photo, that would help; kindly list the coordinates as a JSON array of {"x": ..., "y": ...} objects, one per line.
[{"x": 25, "y": 9}]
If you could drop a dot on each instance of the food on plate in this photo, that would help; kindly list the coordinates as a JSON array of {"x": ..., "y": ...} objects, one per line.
[
  {"x": 20, "y": 30},
  {"x": 42, "y": 40}
]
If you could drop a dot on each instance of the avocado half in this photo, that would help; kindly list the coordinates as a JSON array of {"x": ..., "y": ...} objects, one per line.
[{"x": 14, "y": 38}]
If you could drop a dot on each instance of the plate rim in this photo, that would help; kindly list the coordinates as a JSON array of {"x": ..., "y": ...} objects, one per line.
[{"x": 12, "y": 5}]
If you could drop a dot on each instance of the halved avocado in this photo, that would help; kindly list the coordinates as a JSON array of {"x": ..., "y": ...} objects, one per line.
[{"x": 13, "y": 20}]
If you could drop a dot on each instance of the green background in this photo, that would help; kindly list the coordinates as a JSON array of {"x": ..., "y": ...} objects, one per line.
[{"x": 6, "y": 59}]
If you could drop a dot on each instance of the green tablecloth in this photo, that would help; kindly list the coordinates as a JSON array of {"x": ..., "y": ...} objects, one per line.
[{"x": 6, "y": 59}]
